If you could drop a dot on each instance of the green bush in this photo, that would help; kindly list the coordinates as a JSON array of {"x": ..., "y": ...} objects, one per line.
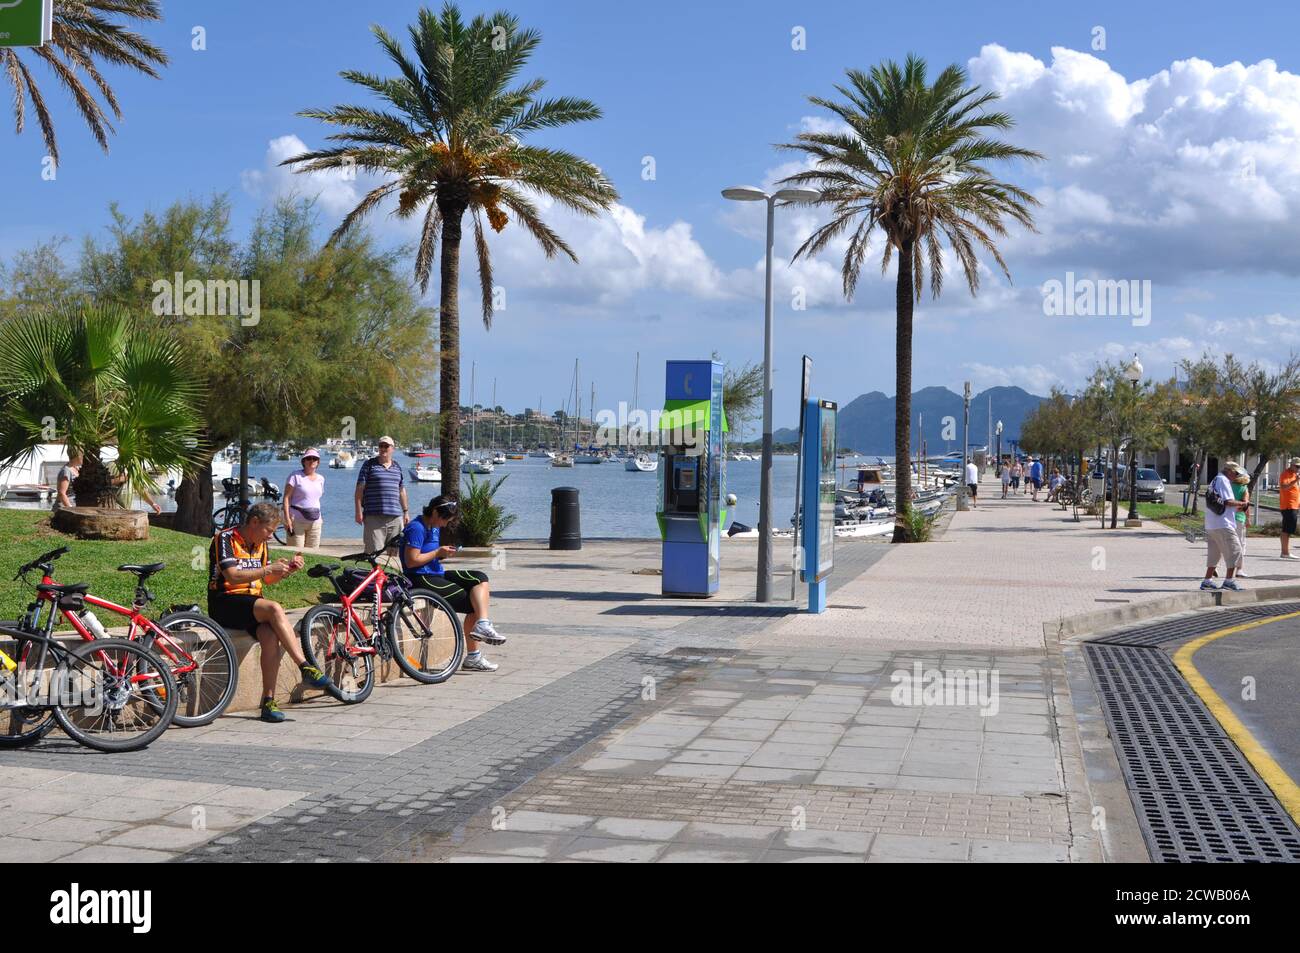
[{"x": 482, "y": 520}]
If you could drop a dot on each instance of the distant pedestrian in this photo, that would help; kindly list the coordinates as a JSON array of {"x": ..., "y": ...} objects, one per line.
[
  {"x": 1036, "y": 477},
  {"x": 973, "y": 483},
  {"x": 1015, "y": 476},
  {"x": 302, "y": 497},
  {"x": 1288, "y": 498},
  {"x": 1221, "y": 539},
  {"x": 1006, "y": 478},
  {"x": 63, "y": 498},
  {"x": 381, "y": 504}
]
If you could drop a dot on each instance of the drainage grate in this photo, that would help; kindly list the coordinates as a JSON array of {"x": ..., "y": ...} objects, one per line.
[
  {"x": 1191, "y": 626},
  {"x": 1197, "y": 796}
]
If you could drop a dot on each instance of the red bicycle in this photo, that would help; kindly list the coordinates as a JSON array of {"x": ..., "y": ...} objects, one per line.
[
  {"x": 197, "y": 651},
  {"x": 419, "y": 631}
]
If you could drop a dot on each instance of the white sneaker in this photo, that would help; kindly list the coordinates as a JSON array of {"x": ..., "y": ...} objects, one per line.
[
  {"x": 1290, "y": 556},
  {"x": 480, "y": 664},
  {"x": 485, "y": 631}
]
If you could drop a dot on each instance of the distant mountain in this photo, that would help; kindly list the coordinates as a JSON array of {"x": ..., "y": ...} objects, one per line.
[{"x": 866, "y": 423}]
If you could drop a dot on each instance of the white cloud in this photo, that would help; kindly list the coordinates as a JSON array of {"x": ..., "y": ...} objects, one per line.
[
  {"x": 1195, "y": 167},
  {"x": 619, "y": 254}
]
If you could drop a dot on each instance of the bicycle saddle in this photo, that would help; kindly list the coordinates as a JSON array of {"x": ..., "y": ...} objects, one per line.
[
  {"x": 72, "y": 589},
  {"x": 144, "y": 572},
  {"x": 325, "y": 569}
]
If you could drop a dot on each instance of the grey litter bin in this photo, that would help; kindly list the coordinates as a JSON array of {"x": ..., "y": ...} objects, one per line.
[{"x": 566, "y": 523}]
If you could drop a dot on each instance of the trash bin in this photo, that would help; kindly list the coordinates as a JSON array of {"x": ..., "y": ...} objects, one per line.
[{"x": 566, "y": 524}]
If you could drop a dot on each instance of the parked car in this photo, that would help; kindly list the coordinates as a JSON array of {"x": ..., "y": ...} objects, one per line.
[{"x": 1150, "y": 485}]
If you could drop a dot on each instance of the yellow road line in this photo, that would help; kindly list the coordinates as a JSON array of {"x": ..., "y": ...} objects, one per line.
[{"x": 1281, "y": 783}]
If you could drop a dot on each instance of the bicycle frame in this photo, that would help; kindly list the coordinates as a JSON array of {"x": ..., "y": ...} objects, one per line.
[
  {"x": 379, "y": 579},
  {"x": 180, "y": 661}
]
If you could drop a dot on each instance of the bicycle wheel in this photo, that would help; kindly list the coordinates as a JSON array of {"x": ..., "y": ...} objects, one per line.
[
  {"x": 22, "y": 725},
  {"x": 227, "y": 517},
  {"x": 427, "y": 638},
  {"x": 327, "y": 644},
  {"x": 114, "y": 695},
  {"x": 203, "y": 661}
]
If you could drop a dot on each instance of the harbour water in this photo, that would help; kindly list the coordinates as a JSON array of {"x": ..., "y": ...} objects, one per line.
[{"x": 615, "y": 503}]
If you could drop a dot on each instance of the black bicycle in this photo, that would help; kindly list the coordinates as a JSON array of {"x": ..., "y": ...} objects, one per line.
[{"x": 233, "y": 513}]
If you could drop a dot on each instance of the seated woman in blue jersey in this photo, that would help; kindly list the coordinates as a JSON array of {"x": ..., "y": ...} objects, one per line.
[{"x": 466, "y": 590}]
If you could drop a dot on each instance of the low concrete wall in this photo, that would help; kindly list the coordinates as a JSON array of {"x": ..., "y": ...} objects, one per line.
[{"x": 289, "y": 688}]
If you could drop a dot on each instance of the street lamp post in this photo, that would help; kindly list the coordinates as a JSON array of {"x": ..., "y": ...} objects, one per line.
[
  {"x": 962, "y": 503},
  {"x": 748, "y": 193},
  {"x": 1134, "y": 374}
]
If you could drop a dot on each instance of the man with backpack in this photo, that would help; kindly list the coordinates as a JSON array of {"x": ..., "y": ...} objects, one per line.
[{"x": 1221, "y": 539}]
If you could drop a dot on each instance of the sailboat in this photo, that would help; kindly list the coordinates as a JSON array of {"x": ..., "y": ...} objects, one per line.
[
  {"x": 637, "y": 462},
  {"x": 563, "y": 458},
  {"x": 481, "y": 464}
]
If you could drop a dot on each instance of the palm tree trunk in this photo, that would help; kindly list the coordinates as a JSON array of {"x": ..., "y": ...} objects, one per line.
[
  {"x": 194, "y": 502},
  {"x": 94, "y": 484},
  {"x": 449, "y": 342},
  {"x": 903, "y": 302}
]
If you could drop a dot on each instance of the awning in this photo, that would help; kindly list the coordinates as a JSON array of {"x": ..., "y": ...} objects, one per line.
[{"x": 688, "y": 415}]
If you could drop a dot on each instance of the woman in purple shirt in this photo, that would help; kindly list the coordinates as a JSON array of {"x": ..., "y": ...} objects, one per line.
[{"x": 302, "y": 495}]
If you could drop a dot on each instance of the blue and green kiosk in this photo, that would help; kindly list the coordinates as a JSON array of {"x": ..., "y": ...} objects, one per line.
[{"x": 692, "y": 473}]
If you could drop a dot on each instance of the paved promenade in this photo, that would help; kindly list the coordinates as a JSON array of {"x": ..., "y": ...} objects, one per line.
[{"x": 623, "y": 726}]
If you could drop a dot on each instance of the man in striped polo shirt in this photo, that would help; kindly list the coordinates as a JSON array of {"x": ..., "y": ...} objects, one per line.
[{"x": 381, "y": 498}]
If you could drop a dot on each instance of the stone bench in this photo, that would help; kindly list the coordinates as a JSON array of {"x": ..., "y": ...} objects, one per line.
[{"x": 289, "y": 687}]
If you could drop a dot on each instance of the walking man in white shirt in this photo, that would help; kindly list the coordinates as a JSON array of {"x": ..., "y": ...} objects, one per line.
[
  {"x": 1221, "y": 539},
  {"x": 973, "y": 483}
]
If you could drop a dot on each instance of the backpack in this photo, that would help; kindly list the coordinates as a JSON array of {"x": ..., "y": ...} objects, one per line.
[{"x": 1214, "y": 501}]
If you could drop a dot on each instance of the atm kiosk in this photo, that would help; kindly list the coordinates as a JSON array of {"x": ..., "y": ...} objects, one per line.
[{"x": 692, "y": 473}]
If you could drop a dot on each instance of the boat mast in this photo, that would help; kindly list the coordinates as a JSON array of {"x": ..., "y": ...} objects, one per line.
[
  {"x": 494, "y": 413},
  {"x": 473, "y": 417},
  {"x": 636, "y": 391}
]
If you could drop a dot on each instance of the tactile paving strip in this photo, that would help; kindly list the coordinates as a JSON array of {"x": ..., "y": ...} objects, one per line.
[
  {"x": 1198, "y": 799},
  {"x": 1190, "y": 626}
]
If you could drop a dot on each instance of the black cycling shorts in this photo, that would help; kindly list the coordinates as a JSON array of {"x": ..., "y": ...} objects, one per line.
[
  {"x": 454, "y": 585},
  {"x": 233, "y": 611},
  {"x": 1288, "y": 522}
]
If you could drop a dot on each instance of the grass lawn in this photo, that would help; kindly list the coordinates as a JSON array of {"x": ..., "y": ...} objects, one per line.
[
  {"x": 1173, "y": 515},
  {"x": 26, "y": 534}
]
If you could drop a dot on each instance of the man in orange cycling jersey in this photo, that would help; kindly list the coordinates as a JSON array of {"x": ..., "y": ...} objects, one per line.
[
  {"x": 238, "y": 564},
  {"x": 1289, "y": 502}
]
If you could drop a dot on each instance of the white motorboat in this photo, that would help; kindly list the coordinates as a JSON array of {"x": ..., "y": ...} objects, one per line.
[
  {"x": 588, "y": 458},
  {"x": 561, "y": 460},
  {"x": 425, "y": 471},
  {"x": 741, "y": 455},
  {"x": 343, "y": 460},
  {"x": 641, "y": 463},
  {"x": 541, "y": 454},
  {"x": 481, "y": 465},
  {"x": 498, "y": 458}
]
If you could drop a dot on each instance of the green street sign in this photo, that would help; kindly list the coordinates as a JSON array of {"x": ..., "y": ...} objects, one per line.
[{"x": 26, "y": 22}]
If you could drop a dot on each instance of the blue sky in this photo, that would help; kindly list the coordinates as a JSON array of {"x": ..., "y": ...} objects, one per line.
[{"x": 1171, "y": 158}]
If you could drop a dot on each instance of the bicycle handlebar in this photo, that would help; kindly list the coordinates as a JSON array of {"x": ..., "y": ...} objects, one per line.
[{"x": 42, "y": 562}]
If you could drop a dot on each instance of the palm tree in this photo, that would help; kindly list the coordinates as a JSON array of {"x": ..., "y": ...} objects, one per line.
[
  {"x": 447, "y": 141},
  {"x": 89, "y": 377},
  {"x": 912, "y": 165},
  {"x": 86, "y": 35}
]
